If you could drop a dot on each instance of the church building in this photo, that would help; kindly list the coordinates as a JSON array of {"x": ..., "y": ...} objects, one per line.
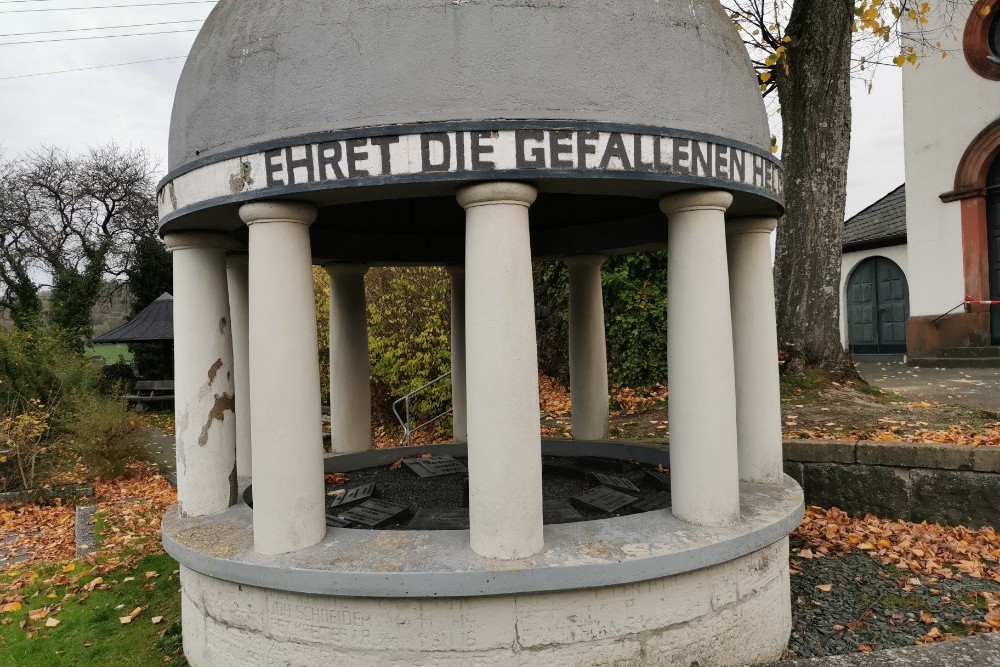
[{"x": 911, "y": 259}]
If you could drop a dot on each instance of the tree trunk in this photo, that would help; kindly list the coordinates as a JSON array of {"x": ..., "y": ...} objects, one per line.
[{"x": 814, "y": 91}]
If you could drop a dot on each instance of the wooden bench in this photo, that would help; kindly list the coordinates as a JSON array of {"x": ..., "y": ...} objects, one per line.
[{"x": 152, "y": 392}]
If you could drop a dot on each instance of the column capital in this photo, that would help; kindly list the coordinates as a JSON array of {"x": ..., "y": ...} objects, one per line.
[
  {"x": 189, "y": 240},
  {"x": 278, "y": 211},
  {"x": 499, "y": 192},
  {"x": 750, "y": 225},
  {"x": 698, "y": 200},
  {"x": 346, "y": 268},
  {"x": 586, "y": 259}
]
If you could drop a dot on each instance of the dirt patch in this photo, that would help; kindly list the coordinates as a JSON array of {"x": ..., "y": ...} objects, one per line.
[{"x": 815, "y": 407}]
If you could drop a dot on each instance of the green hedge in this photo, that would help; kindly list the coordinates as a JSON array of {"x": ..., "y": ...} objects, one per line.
[{"x": 635, "y": 315}]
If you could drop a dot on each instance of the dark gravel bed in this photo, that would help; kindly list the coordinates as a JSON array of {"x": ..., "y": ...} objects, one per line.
[
  {"x": 868, "y": 606},
  {"x": 562, "y": 478}
]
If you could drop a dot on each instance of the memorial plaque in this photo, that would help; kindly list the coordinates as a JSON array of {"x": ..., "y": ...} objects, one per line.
[
  {"x": 435, "y": 466},
  {"x": 660, "y": 479},
  {"x": 440, "y": 519},
  {"x": 617, "y": 483},
  {"x": 375, "y": 513},
  {"x": 350, "y": 497},
  {"x": 336, "y": 522},
  {"x": 656, "y": 501},
  {"x": 602, "y": 499},
  {"x": 559, "y": 511}
]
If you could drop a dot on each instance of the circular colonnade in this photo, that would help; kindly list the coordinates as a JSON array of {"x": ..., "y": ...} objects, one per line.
[{"x": 349, "y": 136}]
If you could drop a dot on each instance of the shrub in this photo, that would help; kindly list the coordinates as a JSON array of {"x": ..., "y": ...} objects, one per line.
[
  {"x": 635, "y": 317},
  {"x": 107, "y": 437},
  {"x": 117, "y": 378},
  {"x": 409, "y": 337},
  {"x": 321, "y": 294},
  {"x": 24, "y": 430},
  {"x": 39, "y": 365},
  {"x": 51, "y": 408}
]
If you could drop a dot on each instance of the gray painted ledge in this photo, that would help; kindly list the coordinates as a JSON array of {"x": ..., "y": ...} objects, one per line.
[{"x": 388, "y": 563}]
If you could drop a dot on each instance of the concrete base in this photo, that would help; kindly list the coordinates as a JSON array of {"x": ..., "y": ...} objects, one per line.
[
  {"x": 734, "y": 613},
  {"x": 637, "y": 590}
]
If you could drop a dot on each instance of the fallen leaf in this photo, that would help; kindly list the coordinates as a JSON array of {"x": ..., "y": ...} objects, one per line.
[
  {"x": 826, "y": 588},
  {"x": 52, "y": 622},
  {"x": 11, "y": 607},
  {"x": 69, "y": 567},
  {"x": 866, "y": 648},
  {"x": 927, "y": 618},
  {"x": 156, "y": 620}
]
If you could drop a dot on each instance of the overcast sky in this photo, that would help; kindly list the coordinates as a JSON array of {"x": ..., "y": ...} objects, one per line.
[{"x": 131, "y": 104}]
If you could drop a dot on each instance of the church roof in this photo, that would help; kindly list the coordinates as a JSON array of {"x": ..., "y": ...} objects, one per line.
[{"x": 881, "y": 224}]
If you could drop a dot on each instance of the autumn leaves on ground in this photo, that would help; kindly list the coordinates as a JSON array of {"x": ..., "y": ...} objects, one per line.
[
  {"x": 118, "y": 607},
  {"x": 121, "y": 605}
]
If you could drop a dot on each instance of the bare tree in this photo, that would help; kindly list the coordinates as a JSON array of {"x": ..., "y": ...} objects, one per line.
[
  {"x": 74, "y": 220},
  {"x": 805, "y": 52}
]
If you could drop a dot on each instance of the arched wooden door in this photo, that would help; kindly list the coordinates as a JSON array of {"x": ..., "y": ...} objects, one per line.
[
  {"x": 878, "y": 303},
  {"x": 993, "y": 234}
]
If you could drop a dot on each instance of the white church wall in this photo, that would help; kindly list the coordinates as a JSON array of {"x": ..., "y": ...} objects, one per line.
[
  {"x": 850, "y": 260},
  {"x": 945, "y": 105}
]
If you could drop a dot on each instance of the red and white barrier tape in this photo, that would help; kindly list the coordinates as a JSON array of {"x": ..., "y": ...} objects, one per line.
[{"x": 977, "y": 302}]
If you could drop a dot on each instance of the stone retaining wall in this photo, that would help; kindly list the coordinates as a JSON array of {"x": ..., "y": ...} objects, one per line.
[
  {"x": 46, "y": 496},
  {"x": 948, "y": 484}
]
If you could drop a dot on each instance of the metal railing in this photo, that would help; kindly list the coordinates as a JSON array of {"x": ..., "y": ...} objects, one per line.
[
  {"x": 967, "y": 303},
  {"x": 405, "y": 418}
]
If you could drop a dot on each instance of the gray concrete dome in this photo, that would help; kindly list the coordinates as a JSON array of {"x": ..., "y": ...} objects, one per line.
[{"x": 266, "y": 74}]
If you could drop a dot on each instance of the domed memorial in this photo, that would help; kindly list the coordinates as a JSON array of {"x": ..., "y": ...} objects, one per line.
[{"x": 476, "y": 135}]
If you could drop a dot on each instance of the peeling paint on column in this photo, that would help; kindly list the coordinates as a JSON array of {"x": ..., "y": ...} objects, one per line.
[
  {"x": 213, "y": 371},
  {"x": 223, "y": 403},
  {"x": 181, "y": 428}
]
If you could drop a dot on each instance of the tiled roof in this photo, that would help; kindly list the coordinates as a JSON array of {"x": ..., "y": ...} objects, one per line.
[
  {"x": 882, "y": 223},
  {"x": 155, "y": 322}
]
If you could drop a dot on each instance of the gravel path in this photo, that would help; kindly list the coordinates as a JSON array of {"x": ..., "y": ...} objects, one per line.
[{"x": 868, "y": 606}]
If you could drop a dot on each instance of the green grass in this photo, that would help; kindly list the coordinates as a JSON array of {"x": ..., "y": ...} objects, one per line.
[
  {"x": 111, "y": 354},
  {"x": 90, "y": 634}
]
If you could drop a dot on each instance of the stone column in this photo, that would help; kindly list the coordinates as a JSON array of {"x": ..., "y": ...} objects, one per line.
[
  {"x": 704, "y": 470},
  {"x": 755, "y": 346},
  {"x": 350, "y": 373},
  {"x": 203, "y": 374},
  {"x": 288, "y": 511},
  {"x": 588, "y": 357},
  {"x": 505, "y": 461},
  {"x": 458, "y": 389},
  {"x": 238, "y": 274}
]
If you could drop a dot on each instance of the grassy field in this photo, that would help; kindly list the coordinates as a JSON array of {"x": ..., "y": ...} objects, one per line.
[
  {"x": 110, "y": 353},
  {"x": 61, "y": 622}
]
